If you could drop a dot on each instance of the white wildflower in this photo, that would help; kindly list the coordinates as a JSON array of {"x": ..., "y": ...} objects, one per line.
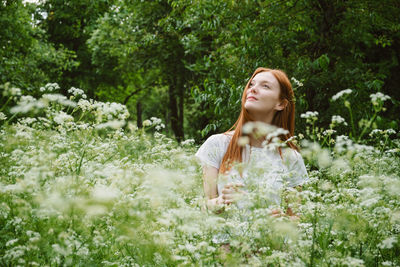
[
  {"x": 10, "y": 91},
  {"x": 297, "y": 82},
  {"x": 77, "y": 92},
  {"x": 155, "y": 120},
  {"x": 160, "y": 126},
  {"x": 146, "y": 123},
  {"x": 132, "y": 127},
  {"x": 336, "y": 120},
  {"x": 50, "y": 87},
  {"x": 329, "y": 132},
  {"x": 2, "y": 116},
  {"x": 376, "y": 132},
  {"x": 114, "y": 124},
  {"x": 243, "y": 140},
  {"x": 11, "y": 242},
  {"x": 61, "y": 99},
  {"x": 341, "y": 93},
  {"x": 310, "y": 114},
  {"x": 62, "y": 117},
  {"x": 108, "y": 111},
  {"x": 388, "y": 242},
  {"x": 390, "y": 131},
  {"x": 187, "y": 142},
  {"x": 102, "y": 193},
  {"x": 342, "y": 142},
  {"x": 258, "y": 128},
  {"x": 350, "y": 261},
  {"x": 27, "y": 103},
  {"x": 27, "y": 121},
  {"x": 378, "y": 98}
]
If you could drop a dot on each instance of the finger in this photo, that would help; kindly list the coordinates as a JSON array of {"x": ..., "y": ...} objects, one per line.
[
  {"x": 276, "y": 211},
  {"x": 227, "y": 196},
  {"x": 228, "y": 201},
  {"x": 228, "y": 185},
  {"x": 227, "y": 191},
  {"x": 239, "y": 184}
]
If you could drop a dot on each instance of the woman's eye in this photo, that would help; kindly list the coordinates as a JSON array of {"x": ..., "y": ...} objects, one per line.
[{"x": 266, "y": 86}]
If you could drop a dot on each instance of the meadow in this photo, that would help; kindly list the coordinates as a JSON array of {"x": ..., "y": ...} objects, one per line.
[{"x": 81, "y": 185}]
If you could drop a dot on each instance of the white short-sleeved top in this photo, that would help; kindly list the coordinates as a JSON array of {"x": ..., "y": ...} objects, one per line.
[{"x": 277, "y": 172}]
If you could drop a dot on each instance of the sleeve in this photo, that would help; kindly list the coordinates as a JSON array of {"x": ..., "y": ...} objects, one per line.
[
  {"x": 211, "y": 152},
  {"x": 297, "y": 174}
]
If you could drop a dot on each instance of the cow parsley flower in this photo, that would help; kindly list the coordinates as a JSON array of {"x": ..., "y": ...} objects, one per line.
[
  {"x": 336, "y": 120},
  {"x": 50, "y": 87},
  {"x": 310, "y": 116},
  {"x": 27, "y": 103},
  {"x": 388, "y": 242},
  {"x": 58, "y": 98},
  {"x": 341, "y": 94},
  {"x": 9, "y": 90},
  {"x": 187, "y": 142},
  {"x": 76, "y": 92},
  {"x": 2, "y": 116},
  {"x": 297, "y": 82},
  {"x": 62, "y": 117},
  {"x": 114, "y": 124},
  {"x": 378, "y": 98},
  {"x": 146, "y": 123}
]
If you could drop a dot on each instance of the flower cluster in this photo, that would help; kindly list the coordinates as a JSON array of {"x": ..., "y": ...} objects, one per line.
[
  {"x": 156, "y": 122},
  {"x": 109, "y": 111},
  {"x": 310, "y": 116},
  {"x": 10, "y": 91},
  {"x": 26, "y": 104},
  {"x": 297, "y": 82},
  {"x": 50, "y": 87},
  {"x": 2, "y": 116},
  {"x": 336, "y": 120},
  {"x": 378, "y": 98},
  {"x": 58, "y": 98},
  {"x": 379, "y": 132},
  {"x": 76, "y": 92},
  {"x": 341, "y": 94}
]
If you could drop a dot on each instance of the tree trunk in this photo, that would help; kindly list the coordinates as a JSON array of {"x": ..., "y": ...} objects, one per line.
[
  {"x": 139, "y": 114},
  {"x": 173, "y": 106},
  {"x": 181, "y": 99}
]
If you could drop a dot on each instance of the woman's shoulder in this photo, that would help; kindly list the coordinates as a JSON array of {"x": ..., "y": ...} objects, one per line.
[
  {"x": 213, "y": 149},
  {"x": 220, "y": 137}
]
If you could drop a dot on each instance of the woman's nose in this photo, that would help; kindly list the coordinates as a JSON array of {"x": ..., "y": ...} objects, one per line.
[{"x": 252, "y": 89}]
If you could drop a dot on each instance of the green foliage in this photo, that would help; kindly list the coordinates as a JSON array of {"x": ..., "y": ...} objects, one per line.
[
  {"x": 27, "y": 59},
  {"x": 202, "y": 52}
]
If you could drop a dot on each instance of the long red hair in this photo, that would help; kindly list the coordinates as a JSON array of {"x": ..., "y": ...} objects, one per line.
[{"x": 283, "y": 119}]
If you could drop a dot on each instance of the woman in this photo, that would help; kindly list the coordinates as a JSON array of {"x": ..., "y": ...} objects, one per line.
[{"x": 267, "y": 98}]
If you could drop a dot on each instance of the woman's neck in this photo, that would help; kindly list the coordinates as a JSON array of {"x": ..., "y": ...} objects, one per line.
[{"x": 256, "y": 142}]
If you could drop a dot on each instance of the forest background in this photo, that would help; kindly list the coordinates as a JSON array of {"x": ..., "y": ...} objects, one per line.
[{"x": 187, "y": 62}]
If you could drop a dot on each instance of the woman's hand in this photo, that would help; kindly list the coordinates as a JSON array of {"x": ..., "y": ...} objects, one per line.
[
  {"x": 289, "y": 213},
  {"x": 231, "y": 193}
]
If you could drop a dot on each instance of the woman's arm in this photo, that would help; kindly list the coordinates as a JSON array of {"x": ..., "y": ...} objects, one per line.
[{"x": 210, "y": 176}]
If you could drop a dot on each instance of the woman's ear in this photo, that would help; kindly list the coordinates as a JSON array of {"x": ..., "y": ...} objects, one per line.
[{"x": 282, "y": 105}]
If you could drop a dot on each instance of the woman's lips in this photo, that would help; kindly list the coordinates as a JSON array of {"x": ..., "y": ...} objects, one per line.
[{"x": 251, "y": 98}]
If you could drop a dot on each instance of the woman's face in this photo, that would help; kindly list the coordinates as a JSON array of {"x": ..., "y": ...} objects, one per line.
[{"x": 263, "y": 95}]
